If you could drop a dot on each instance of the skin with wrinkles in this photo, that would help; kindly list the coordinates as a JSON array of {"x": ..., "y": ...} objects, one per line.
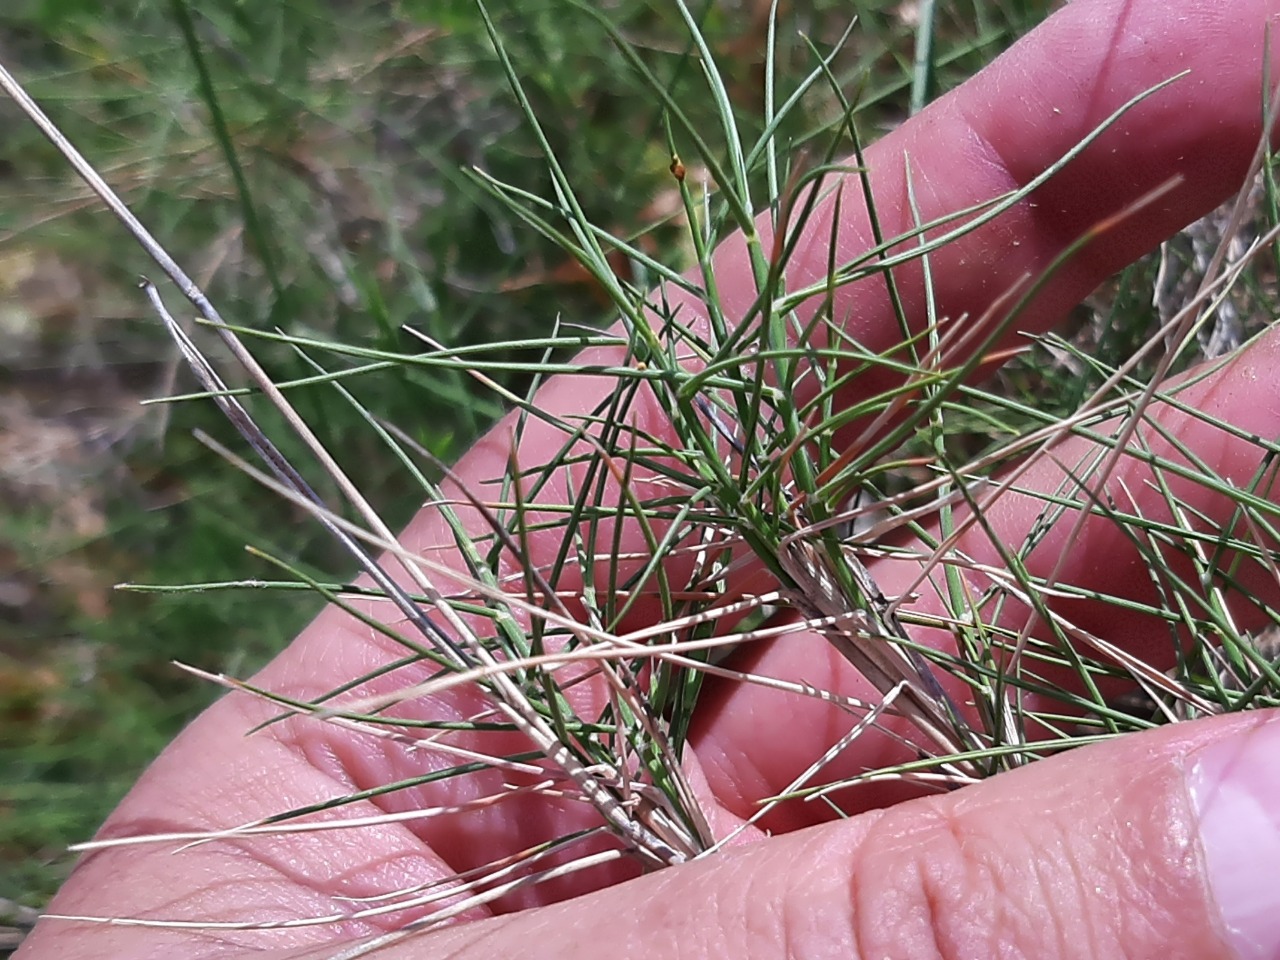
[
  {"x": 932, "y": 878},
  {"x": 1091, "y": 848}
]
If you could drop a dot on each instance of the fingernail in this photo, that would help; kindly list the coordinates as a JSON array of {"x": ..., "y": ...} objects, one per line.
[{"x": 1235, "y": 789}]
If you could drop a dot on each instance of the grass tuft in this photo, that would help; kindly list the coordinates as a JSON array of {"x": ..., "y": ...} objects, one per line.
[{"x": 409, "y": 221}]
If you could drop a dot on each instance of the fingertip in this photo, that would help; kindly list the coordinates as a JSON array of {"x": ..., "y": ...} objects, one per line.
[{"x": 1234, "y": 786}]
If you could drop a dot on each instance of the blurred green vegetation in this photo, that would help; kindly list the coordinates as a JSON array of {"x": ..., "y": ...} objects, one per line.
[{"x": 307, "y": 162}]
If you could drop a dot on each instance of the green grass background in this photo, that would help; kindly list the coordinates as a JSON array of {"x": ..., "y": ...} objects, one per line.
[{"x": 313, "y": 180}]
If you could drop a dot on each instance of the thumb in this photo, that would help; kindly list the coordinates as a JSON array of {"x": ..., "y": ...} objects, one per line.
[{"x": 1164, "y": 844}]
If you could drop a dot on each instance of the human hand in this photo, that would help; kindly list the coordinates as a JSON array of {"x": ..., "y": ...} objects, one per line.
[{"x": 1144, "y": 846}]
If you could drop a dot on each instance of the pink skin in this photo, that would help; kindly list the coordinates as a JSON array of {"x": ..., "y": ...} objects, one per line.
[{"x": 997, "y": 132}]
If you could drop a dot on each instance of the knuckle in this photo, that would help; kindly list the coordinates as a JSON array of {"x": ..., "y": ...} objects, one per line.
[{"x": 930, "y": 883}]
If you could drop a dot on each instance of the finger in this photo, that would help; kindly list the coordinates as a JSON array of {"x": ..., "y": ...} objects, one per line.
[
  {"x": 1158, "y": 845},
  {"x": 1029, "y": 108},
  {"x": 747, "y": 760},
  {"x": 1187, "y": 468}
]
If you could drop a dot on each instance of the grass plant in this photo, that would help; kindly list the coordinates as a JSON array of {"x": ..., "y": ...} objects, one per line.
[{"x": 341, "y": 337}]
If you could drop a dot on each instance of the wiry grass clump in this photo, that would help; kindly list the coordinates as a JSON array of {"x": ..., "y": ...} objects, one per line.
[
  {"x": 758, "y": 464},
  {"x": 309, "y": 161}
]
